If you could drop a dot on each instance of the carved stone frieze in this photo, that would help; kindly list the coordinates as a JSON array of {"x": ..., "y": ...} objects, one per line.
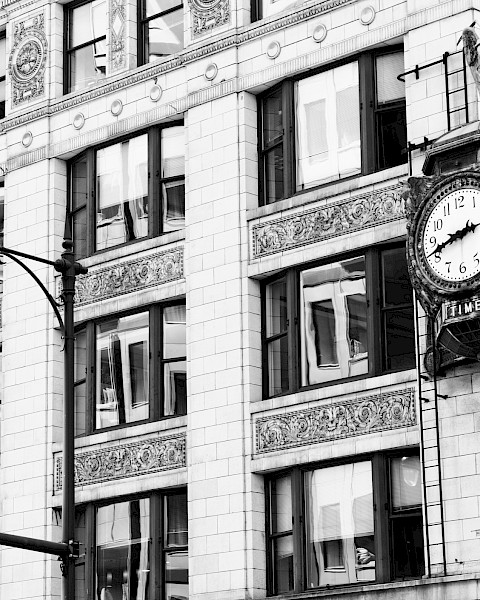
[
  {"x": 315, "y": 225},
  {"x": 130, "y": 276},
  {"x": 125, "y": 460},
  {"x": 369, "y": 414},
  {"x": 28, "y": 58},
  {"x": 118, "y": 35},
  {"x": 208, "y": 14}
]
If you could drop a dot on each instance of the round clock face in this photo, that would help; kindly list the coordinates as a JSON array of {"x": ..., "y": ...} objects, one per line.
[{"x": 451, "y": 237}]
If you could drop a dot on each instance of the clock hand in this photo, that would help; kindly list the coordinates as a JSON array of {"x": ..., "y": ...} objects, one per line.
[{"x": 458, "y": 235}]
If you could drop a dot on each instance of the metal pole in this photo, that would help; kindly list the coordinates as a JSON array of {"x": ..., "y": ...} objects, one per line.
[{"x": 34, "y": 544}]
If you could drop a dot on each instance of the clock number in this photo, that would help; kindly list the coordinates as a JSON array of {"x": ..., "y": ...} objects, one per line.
[
  {"x": 459, "y": 202},
  {"x": 437, "y": 225},
  {"x": 473, "y": 198},
  {"x": 462, "y": 268},
  {"x": 437, "y": 257},
  {"x": 433, "y": 240},
  {"x": 446, "y": 209},
  {"x": 449, "y": 264},
  {"x": 476, "y": 259}
]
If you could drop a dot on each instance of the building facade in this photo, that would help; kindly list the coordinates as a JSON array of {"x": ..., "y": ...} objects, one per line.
[{"x": 259, "y": 411}]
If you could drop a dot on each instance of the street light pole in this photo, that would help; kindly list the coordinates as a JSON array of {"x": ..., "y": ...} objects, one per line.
[{"x": 67, "y": 550}]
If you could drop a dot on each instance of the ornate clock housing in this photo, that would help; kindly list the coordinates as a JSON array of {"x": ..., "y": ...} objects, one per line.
[{"x": 444, "y": 240}]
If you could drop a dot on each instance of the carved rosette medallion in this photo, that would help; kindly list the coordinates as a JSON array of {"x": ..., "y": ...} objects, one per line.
[
  {"x": 208, "y": 14},
  {"x": 369, "y": 414},
  {"x": 28, "y": 59},
  {"x": 130, "y": 276},
  {"x": 118, "y": 35},
  {"x": 125, "y": 460},
  {"x": 354, "y": 214}
]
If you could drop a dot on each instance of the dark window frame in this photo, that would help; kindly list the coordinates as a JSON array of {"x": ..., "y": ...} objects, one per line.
[
  {"x": 376, "y": 344},
  {"x": 370, "y": 112},
  {"x": 156, "y": 385},
  {"x": 142, "y": 25},
  {"x": 155, "y": 181},
  {"x": 383, "y": 514},
  {"x": 67, "y": 48},
  {"x": 157, "y": 542},
  {"x": 3, "y": 35}
]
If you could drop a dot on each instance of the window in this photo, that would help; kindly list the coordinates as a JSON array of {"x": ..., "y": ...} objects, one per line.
[
  {"x": 266, "y": 8},
  {"x": 3, "y": 70},
  {"x": 352, "y": 523},
  {"x": 320, "y": 315},
  {"x": 139, "y": 549},
  {"x": 345, "y": 121},
  {"x": 131, "y": 368},
  {"x": 118, "y": 194},
  {"x": 160, "y": 29},
  {"x": 85, "y": 39}
]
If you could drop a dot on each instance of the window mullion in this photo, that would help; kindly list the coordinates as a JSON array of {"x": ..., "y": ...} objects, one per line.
[
  {"x": 298, "y": 530},
  {"x": 292, "y": 330},
  {"x": 380, "y": 499},
  {"x": 91, "y": 201},
  {"x": 367, "y": 113},
  {"x": 90, "y": 391},
  {"x": 375, "y": 339},
  {"x": 289, "y": 163},
  {"x": 154, "y": 183},
  {"x": 155, "y": 355}
]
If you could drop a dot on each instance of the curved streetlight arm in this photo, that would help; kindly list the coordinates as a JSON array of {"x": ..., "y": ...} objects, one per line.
[{"x": 11, "y": 254}]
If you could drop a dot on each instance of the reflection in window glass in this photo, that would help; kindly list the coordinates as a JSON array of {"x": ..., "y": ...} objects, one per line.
[
  {"x": 119, "y": 398},
  {"x": 339, "y": 525},
  {"x": 122, "y": 542},
  {"x": 87, "y": 55},
  {"x": 122, "y": 192},
  {"x": 176, "y": 555},
  {"x": 80, "y": 536},
  {"x": 173, "y": 178},
  {"x": 328, "y": 148},
  {"x": 80, "y": 382},
  {"x": 333, "y": 323},
  {"x": 174, "y": 360},
  {"x": 276, "y": 330}
]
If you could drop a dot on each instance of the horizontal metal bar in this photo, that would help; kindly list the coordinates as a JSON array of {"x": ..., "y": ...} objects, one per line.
[{"x": 34, "y": 544}]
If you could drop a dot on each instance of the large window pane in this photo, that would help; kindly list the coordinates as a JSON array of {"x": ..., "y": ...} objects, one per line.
[
  {"x": 122, "y": 370},
  {"x": 122, "y": 543},
  {"x": 272, "y": 118},
  {"x": 122, "y": 192},
  {"x": 175, "y": 388},
  {"x": 165, "y": 35},
  {"x": 334, "y": 321},
  {"x": 281, "y": 504},
  {"x": 176, "y": 537},
  {"x": 88, "y": 22},
  {"x": 173, "y": 166},
  {"x": 339, "y": 525},
  {"x": 277, "y": 351},
  {"x": 327, "y": 147},
  {"x": 87, "y": 65},
  {"x": 274, "y": 175},
  {"x": 80, "y": 571},
  {"x": 283, "y": 564},
  {"x": 80, "y": 385},
  {"x": 175, "y": 366},
  {"x": 406, "y": 482},
  {"x": 276, "y": 306}
]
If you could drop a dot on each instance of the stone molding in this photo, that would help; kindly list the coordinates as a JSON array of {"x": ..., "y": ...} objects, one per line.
[
  {"x": 327, "y": 221},
  {"x": 120, "y": 461},
  {"x": 130, "y": 276},
  {"x": 206, "y": 15},
  {"x": 28, "y": 58},
  {"x": 117, "y": 57},
  {"x": 368, "y": 414}
]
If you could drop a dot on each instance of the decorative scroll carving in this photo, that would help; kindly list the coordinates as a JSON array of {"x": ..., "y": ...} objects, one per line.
[
  {"x": 208, "y": 14},
  {"x": 118, "y": 33},
  {"x": 359, "y": 212},
  {"x": 28, "y": 58},
  {"x": 129, "y": 276},
  {"x": 335, "y": 421},
  {"x": 125, "y": 460}
]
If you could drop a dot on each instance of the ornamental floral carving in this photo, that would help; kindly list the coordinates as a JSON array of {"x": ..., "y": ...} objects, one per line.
[
  {"x": 125, "y": 460},
  {"x": 208, "y": 14},
  {"x": 335, "y": 421},
  {"x": 129, "y": 276},
  {"x": 359, "y": 212},
  {"x": 118, "y": 35},
  {"x": 28, "y": 59}
]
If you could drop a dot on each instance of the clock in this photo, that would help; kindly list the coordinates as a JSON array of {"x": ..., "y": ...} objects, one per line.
[
  {"x": 444, "y": 241},
  {"x": 451, "y": 236}
]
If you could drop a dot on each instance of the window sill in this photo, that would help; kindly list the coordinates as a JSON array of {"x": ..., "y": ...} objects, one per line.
[
  {"x": 395, "y": 590},
  {"x": 333, "y": 390},
  {"x": 329, "y": 191}
]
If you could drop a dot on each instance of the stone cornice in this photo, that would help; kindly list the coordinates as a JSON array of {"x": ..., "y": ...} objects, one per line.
[
  {"x": 305, "y": 227},
  {"x": 119, "y": 461},
  {"x": 328, "y": 422}
]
